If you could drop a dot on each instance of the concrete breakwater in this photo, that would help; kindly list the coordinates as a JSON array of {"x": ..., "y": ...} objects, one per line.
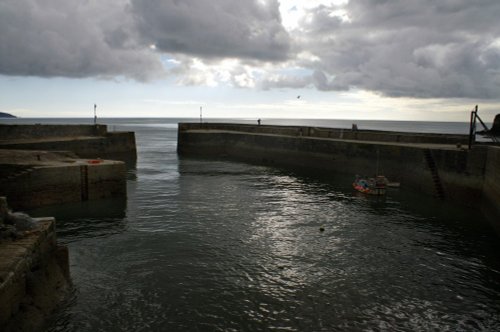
[
  {"x": 32, "y": 179},
  {"x": 34, "y": 273},
  {"x": 44, "y": 165},
  {"x": 433, "y": 164},
  {"x": 86, "y": 141},
  {"x": 48, "y": 164}
]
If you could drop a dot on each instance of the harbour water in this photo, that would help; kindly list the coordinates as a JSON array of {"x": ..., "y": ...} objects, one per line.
[{"x": 211, "y": 245}]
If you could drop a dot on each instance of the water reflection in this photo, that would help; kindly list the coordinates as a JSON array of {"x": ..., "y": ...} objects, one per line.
[
  {"x": 376, "y": 264},
  {"x": 97, "y": 218},
  {"x": 223, "y": 246}
]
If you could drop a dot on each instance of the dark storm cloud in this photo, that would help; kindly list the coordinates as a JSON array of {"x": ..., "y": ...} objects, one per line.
[
  {"x": 424, "y": 48},
  {"x": 71, "y": 39},
  {"x": 113, "y": 38},
  {"x": 248, "y": 29}
]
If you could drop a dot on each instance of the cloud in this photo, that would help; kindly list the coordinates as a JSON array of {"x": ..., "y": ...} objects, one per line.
[
  {"x": 423, "y": 49},
  {"x": 125, "y": 38},
  {"x": 249, "y": 29},
  {"x": 284, "y": 81},
  {"x": 72, "y": 39},
  {"x": 397, "y": 48}
]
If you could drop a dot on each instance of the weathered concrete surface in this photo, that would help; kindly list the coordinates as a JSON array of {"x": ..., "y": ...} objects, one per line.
[
  {"x": 86, "y": 141},
  {"x": 13, "y": 131},
  {"x": 461, "y": 172},
  {"x": 335, "y": 133},
  {"x": 119, "y": 146},
  {"x": 34, "y": 278},
  {"x": 402, "y": 163},
  {"x": 32, "y": 179}
]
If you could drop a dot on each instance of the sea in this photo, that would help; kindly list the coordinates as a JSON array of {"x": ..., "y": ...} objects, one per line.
[{"x": 219, "y": 245}]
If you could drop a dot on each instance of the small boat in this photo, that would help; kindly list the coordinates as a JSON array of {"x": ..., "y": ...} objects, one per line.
[{"x": 370, "y": 186}]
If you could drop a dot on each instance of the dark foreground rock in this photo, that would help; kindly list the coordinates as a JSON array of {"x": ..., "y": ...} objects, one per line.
[{"x": 34, "y": 273}]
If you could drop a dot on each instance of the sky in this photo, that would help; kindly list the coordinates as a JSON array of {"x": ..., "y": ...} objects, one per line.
[{"x": 426, "y": 60}]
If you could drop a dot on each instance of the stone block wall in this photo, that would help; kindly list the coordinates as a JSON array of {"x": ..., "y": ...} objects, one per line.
[
  {"x": 336, "y": 133},
  {"x": 117, "y": 145},
  {"x": 10, "y": 132},
  {"x": 77, "y": 181},
  {"x": 461, "y": 172},
  {"x": 34, "y": 278},
  {"x": 468, "y": 177},
  {"x": 491, "y": 187}
]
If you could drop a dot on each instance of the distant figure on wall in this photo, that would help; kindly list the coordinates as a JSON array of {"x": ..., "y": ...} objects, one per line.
[{"x": 258, "y": 122}]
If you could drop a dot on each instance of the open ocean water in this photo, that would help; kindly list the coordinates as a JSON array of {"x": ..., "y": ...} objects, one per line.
[{"x": 211, "y": 245}]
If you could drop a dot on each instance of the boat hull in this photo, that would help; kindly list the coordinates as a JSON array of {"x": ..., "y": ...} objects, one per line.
[{"x": 378, "y": 191}]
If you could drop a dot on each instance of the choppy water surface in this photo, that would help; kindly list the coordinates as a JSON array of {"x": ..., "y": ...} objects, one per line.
[{"x": 204, "y": 245}]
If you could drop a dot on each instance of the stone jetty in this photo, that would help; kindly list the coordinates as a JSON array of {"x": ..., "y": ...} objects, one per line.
[
  {"x": 52, "y": 164},
  {"x": 441, "y": 165},
  {"x": 44, "y": 165},
  {"x": 34, "y": 271}
]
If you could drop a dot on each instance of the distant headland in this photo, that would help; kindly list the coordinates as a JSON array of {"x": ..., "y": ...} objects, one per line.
[{"x": 7, "y": 115}]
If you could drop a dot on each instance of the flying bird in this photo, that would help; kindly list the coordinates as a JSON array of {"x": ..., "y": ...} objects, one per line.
[{"x": 298, "y": 97}]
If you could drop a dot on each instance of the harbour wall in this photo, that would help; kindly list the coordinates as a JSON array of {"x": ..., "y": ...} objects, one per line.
[
  {"x": 334, "y": 133},
  {"x": 86, "y": 141},
  {"x": 33, "y": 186},
  {"x": 491, "y": 189},
  {"x": 9, "y": 132},
  {"x": 35, "y": 177},
  {"x": 439, "y": 168},
  {"x": 34, "y": 276},
  {"x": 120, "y": 146}
]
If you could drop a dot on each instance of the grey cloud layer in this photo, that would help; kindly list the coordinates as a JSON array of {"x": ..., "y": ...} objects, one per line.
[
  {"x": 426, "y": 48},
  {"x": 113, "y": 38},
  {"x": 71, "y": 39},
  {"x": 222, "y": 28}
]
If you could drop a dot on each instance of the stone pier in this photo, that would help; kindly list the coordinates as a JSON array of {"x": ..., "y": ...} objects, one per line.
[
  {"x": 432, "y": 164},
  {"x": 53, "y": 164},
  {"x": 34, "y": 274}
]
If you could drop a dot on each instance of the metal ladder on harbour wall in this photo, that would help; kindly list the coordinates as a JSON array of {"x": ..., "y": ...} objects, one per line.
[
  {"x": 84, "y": 182},
  {"x": 438, "y": 185}
]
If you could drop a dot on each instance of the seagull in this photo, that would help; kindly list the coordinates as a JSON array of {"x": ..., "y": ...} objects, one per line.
[{"x": 298, "y": 97}]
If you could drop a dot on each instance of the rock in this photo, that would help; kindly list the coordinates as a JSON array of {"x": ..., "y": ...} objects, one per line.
[
  {"x": 8, "y": 232},
  {"x": 21, "y": 221}
]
